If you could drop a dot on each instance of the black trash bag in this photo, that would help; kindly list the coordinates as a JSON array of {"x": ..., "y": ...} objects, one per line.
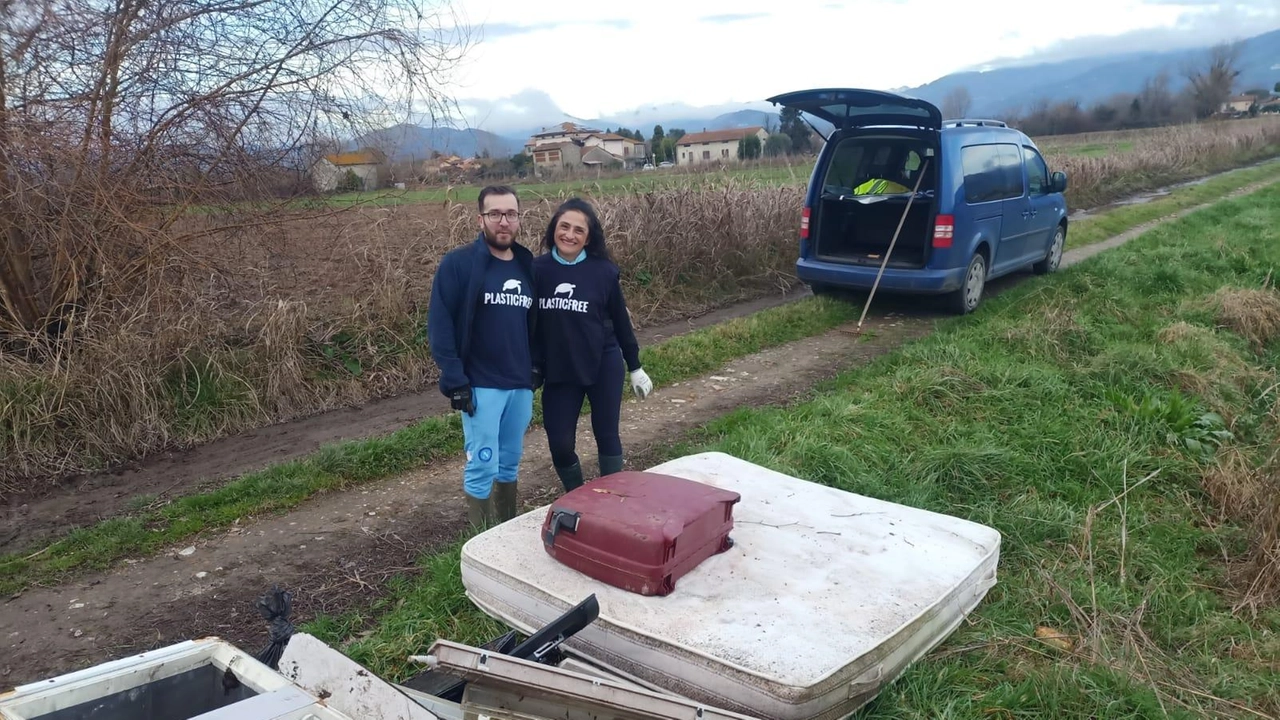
[{"x": 275, "y": 607}]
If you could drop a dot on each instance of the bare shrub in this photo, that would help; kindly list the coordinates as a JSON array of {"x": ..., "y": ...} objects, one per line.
[{"x": 119, "y": 117}]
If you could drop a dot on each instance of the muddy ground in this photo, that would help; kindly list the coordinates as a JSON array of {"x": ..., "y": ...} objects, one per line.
[{"x": 335, "y": 551}]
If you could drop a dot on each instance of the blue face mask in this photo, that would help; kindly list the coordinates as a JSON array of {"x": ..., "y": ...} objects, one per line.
[{"x": 581, "y": 256}]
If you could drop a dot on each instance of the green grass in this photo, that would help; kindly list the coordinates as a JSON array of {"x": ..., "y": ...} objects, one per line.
[
  {"x": 1025, "y": 417},
  {"x": 344, "y": 465},
  {"x": 1033, "y": 416},
  {"x": 1100, "y": 149},
  {"x": 1096, "y": 228},
  {"x": 532, "y": 191}
]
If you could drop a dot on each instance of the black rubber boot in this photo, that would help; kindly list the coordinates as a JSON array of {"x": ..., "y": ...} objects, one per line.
[
  {"x": 610, "y": 464},
  {"x": 505, "y": 496},
  {"x": 570, "y": 477},
  {"x": 480, "y": 512}
]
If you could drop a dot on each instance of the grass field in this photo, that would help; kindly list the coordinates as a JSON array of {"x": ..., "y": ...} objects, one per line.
[
  {"x": 780, "y": 173},
  {"x": 1099, "y": 149},
  {"x": 1114, "y": 422}
]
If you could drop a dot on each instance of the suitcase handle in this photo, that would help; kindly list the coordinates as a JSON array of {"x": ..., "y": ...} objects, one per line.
[{"x": 560, "y": 519}]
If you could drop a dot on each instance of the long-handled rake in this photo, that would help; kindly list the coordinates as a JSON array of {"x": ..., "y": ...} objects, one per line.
[{"x": 894, "y": 241}]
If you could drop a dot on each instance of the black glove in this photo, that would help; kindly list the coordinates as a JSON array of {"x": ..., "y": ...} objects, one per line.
[
  {"x": 537, "y": 378},
  {"x": 461, "y": 399}
]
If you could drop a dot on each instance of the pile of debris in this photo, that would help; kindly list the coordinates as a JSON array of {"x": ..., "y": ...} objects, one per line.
[{"x": 705, "y": 588}]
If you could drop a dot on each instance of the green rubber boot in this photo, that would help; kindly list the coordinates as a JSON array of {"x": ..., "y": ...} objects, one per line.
[
  {"x": 480, "y": 512},
  {"x": 505, "y": 500},
  {"x": 570, "y": 477},
  {"x": 610, "y": 464}
]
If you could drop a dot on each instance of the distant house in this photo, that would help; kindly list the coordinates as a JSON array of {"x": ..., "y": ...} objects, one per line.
[
  {"x": 555, "y": 155},
  {"x": 1238, "y": 104},
  {"x": 573, "y": 145},
  {"x": 597, "y": 157},
  {"x": 628, "y": 151},
  {"x": 369, "y": 166},
  {"x": 715, "y": 146},
  {"x": 1270, "y": 106},
  {"x": 562, "y": 133},
  {"x": 452, "y": 167}
]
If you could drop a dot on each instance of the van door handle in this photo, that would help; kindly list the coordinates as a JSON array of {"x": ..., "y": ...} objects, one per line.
[{"x": 1026, "y": 214}]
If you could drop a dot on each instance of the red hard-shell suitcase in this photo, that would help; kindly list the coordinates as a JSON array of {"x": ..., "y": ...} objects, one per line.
[{"x": 639, "y": 531}]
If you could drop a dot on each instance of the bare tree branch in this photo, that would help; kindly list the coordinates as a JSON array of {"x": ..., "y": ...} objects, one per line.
[
  {"x": 118, "y": 118},
  {"x": 1211, "y": 85}
]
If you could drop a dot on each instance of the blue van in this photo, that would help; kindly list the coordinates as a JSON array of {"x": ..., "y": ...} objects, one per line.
[{"x": 983, "y": 201}]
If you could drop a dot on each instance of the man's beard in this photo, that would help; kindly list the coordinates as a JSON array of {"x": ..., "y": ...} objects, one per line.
[{"x": 495, "y": 243}]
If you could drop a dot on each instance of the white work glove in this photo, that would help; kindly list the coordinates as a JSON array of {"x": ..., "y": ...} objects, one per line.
[{"x": 641, "y": 385}]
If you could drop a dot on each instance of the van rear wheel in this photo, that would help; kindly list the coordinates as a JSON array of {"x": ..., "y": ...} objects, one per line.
[
  {"x": 965, "y": 299},
  {"x": 1052, "y": 260}
]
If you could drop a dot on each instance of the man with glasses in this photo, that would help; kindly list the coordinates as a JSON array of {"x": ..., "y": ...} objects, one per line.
[{"x": 480, "y": 325}]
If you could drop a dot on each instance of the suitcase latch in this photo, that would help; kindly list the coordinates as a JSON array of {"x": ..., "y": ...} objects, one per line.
[{"x": 566, "y": 519}]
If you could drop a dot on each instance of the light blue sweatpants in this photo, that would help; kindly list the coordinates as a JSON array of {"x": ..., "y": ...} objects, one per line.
[{"x": 494, "y": 438}]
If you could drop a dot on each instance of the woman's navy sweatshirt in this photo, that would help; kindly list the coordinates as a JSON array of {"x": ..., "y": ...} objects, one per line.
[{"x": 581, "y": 315}]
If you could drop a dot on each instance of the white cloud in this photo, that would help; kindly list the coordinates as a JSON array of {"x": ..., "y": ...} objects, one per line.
[
  {"x": 1196, "y": 23},
  {"x": 591, "y": 60}
]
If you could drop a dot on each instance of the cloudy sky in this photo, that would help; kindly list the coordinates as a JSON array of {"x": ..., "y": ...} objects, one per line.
[{"x": 589, "y": 59}]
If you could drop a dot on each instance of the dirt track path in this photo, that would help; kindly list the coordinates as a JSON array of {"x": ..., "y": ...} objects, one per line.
[
  {"x": 335, "y": 551},
  {"x": 26, "y": 521}
]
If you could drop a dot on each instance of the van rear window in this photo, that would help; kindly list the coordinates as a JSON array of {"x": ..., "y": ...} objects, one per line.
[{"x": 858, "y": 160}]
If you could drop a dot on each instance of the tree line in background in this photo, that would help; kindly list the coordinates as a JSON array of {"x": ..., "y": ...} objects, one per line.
[{"x": 1208, "y": 87}]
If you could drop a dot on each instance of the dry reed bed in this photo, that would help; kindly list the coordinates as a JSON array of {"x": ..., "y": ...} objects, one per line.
[
  {"x": 315, "y": 313},
  {"x": 1162, "y": 156},
  {"x": 326, "y": 313}
]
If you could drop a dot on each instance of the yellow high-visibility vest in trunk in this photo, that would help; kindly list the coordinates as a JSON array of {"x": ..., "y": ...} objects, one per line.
[{"x": 880, "y": 187}]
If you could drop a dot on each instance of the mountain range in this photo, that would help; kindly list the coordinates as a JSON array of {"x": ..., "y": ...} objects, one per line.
[
  {"x": 1097, "y": 78},
  {"x": 992, "y": 92}
]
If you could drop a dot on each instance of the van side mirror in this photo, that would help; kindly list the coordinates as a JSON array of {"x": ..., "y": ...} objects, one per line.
[{"x": 1059, "y": 181}]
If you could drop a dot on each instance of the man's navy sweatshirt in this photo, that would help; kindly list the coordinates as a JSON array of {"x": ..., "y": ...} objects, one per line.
[
  {"x": 457, "y": 299},
  {"x": 582, "y": 314}
]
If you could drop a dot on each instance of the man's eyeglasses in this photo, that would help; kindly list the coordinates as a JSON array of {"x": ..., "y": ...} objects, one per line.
[{"x": 495, "y": 216}]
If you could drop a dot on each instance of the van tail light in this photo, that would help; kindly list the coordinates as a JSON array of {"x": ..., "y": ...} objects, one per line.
[
  {"x": 804, "y": 224},
  {"x": 944, "y": 228}
]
